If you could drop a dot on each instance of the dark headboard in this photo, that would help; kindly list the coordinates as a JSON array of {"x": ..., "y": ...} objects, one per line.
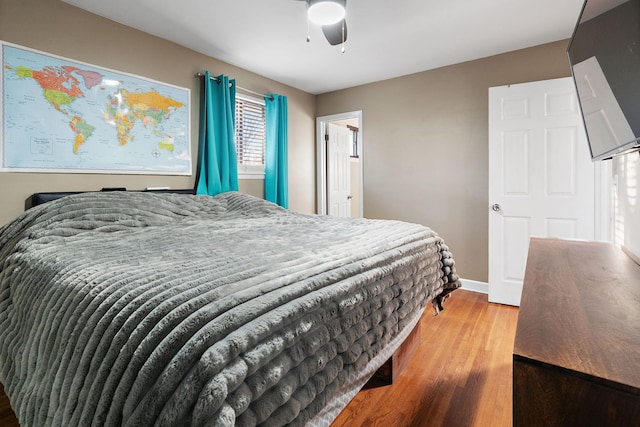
[{"x": 40, "y": 198}]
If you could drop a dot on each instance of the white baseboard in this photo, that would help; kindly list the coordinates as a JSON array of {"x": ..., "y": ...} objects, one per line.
[{"x": 474, "y": 286}]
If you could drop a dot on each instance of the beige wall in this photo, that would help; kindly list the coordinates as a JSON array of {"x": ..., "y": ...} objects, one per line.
[
  {"x": 426, "y": 149},
  {"x": 61, "y": 29}
]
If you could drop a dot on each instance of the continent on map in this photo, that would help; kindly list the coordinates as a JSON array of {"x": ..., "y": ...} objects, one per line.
[
  {"x": 83, "y": 131},
  {"x": 60, "y": 87},
  {"x": 150, "y": 108}
]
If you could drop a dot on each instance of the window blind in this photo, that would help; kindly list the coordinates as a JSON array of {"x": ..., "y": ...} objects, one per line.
[{"x": 250, "y": 131}]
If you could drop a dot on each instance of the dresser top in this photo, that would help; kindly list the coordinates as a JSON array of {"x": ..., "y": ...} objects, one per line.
[{"x": 580, "y": 311}]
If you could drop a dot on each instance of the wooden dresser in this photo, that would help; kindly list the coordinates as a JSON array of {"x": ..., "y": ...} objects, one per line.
[{"x": 576, "y": 357}]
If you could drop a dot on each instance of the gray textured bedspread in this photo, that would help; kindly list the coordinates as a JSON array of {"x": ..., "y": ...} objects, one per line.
[{"x": 139, "y": 309}]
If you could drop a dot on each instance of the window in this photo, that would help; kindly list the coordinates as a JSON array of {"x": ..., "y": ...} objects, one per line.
[{"x": 250, "y": 137}]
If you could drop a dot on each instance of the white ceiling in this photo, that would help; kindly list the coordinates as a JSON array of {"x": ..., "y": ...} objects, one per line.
[{"x": 385, "y": 38}]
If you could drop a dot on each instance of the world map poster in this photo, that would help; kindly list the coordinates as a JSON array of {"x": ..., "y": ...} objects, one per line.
[{"x": 59, "y": 115}]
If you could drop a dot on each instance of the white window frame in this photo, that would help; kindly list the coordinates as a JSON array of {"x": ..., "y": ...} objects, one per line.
[{"x": 251, "y": 171}]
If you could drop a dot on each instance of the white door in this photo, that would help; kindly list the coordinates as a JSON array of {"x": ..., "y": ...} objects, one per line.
[
  {"x": 338, "y": 171},
  {"x": 541, "y": 178},
  {"x": 353, "y": 118}
]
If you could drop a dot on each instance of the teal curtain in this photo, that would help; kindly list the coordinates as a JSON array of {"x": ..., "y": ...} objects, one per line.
[
  {"x": 276, "y": 171},
  {"x": 217, "y": 164}
]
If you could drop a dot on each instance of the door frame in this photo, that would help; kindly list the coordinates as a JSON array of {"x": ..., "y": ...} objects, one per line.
[{"x": 321, "y": 158}]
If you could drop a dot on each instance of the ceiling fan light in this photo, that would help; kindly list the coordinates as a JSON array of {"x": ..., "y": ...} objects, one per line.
[{"x": 326, "y": 12}]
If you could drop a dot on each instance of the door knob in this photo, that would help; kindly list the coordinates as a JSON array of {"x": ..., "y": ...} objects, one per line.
[
  {"x": 349, "y": 197},
  {"x": 496, "y": 207}
]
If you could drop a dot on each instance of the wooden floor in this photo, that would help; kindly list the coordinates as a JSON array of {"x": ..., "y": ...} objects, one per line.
[{"x": 459, "y": 376}]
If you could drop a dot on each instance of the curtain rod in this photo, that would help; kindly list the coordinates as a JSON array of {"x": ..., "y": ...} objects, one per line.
[{"x": 237, "y": 87}]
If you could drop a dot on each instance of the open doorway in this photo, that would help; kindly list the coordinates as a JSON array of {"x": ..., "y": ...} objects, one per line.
[{"x": 351, "y": 122}]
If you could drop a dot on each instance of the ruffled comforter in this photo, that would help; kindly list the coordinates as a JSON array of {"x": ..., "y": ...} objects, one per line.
[{"x": 138, "y": 309}]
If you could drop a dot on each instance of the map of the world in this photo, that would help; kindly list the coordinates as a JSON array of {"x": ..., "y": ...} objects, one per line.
[{"x": 65, "y": 116}]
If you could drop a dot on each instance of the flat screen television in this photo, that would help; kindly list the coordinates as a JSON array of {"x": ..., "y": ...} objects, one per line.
[{"x": 604, "y": 54}]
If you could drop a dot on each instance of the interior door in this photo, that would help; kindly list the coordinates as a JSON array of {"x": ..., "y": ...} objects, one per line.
[
  {"x": 541, "y": 178},
  {"x": 338, "y": 171}
]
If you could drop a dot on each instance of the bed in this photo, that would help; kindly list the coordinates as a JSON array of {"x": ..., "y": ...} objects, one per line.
[{"x": 137, "y": 309}]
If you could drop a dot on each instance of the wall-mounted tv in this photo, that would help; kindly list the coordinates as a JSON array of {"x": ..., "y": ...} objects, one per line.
[{"x": 604, "y": 55}]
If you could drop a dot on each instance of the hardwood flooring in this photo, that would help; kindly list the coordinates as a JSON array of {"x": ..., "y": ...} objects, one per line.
[{"x": 459, "y": 376}]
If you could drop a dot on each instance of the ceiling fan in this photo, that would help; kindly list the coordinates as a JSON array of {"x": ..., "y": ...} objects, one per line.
[{"x": 330, "y": 15}]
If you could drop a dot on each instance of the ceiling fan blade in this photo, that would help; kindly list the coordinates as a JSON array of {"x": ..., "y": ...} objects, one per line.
[{"x": 333, "y": 32}]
